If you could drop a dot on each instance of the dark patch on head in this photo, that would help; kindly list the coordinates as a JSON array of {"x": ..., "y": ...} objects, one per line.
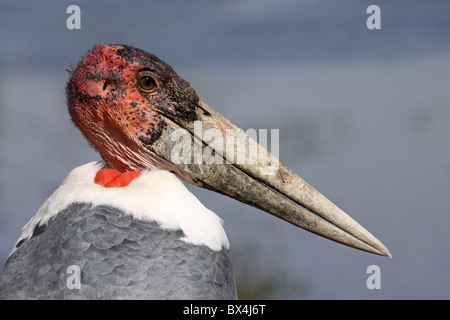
[
  {"x": 154, "y": 134},
  {"x": 136, "y": 55},
  {"x": 185, "y": 98},
  {"x": 127, "y": 52},
  {"x": 82, "y": 97},
  {"x": 100, "y": 76},
  {"x": 72, "y": 94}
]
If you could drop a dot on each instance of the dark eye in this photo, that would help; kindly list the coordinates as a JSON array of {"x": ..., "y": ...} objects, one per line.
[{"x": 147, "y": 82}]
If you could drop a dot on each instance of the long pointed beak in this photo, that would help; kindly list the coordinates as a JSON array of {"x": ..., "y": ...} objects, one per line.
[{"x": 250, "y": 174}]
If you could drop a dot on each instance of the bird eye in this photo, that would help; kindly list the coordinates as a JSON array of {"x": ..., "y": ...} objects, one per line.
[{"x": 147, "y": 83}]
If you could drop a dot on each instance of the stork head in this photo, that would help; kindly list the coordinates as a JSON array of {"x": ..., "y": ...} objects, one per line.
[{"x": 139, "y": 114}]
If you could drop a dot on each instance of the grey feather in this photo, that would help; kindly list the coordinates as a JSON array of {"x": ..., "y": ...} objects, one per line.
[{"x": 119, "y": 258}]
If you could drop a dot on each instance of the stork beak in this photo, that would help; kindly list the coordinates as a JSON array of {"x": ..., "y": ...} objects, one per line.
[{"x": 250, "y": 174}]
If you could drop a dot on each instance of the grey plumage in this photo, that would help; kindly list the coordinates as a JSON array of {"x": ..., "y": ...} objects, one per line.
[{"x": 119, "y": 258}]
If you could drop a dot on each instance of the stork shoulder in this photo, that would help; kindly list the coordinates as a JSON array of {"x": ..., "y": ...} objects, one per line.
[{"x": 156, "y": 195}]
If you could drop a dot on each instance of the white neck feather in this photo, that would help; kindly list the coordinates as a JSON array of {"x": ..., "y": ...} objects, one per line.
[{"x": 156, "y": 195}]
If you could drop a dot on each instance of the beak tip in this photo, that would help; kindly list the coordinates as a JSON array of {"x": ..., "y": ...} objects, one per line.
[
  {"x": 381, "y": 249},
  {"x": 388, "y": 254}
]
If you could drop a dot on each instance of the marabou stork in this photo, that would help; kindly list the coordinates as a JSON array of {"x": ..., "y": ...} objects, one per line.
[{"x": 128, "y": 223}]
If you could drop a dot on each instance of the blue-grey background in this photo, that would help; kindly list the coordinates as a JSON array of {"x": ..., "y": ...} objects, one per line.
[{"x": 364, "y": 116}]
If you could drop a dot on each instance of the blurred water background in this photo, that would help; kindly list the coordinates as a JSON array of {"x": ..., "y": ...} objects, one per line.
[{"x": 364, "y": 116}]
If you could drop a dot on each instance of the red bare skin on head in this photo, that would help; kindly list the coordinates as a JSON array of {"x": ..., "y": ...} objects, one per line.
[
  {"x": 101, "y": 107},
  {"x": 113, "y": 111}
]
